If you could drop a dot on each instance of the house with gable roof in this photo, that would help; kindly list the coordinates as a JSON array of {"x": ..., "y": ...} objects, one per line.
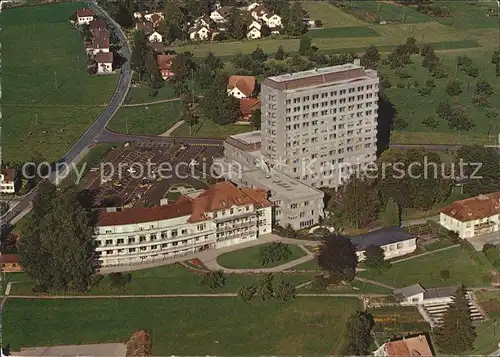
[{"x": 241, "y": 86}]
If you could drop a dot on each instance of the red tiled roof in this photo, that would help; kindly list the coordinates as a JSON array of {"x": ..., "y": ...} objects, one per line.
[
  {"x": 413, "y": 346},
  {"x": 246, "y": 84},
  {"x": 100, "y": 38},
  {"x": 85, "y": 12},
  {"x": 9, "y": 174},
  {"x": 104, "y": 57},
  {"x": 249, "y": 105},
  {"x": 164, "y": 61},
  {"x": 9, "y": 258},
  {"x": 474, "y": 208},
  {"x": 98, "y": 23},
  {"x": 144, "y": 26},
  {"x": 221, "y": 195}
]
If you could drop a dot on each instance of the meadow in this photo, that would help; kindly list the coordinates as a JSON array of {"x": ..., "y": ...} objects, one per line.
[
  {"x": 48, "y": 99},
  {"x": 185, "y": 326}
]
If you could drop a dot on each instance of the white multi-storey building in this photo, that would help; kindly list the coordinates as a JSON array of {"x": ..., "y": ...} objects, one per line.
[
  {"x": 320, "y": 122},
  {"x": 85, "y": 16},
  {"x": 221, "y": 216},
  {"x": 8, "y": 181},
  {"x": 472, "y": 216}
]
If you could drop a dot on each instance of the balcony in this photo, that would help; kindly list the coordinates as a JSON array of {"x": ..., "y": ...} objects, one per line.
[
  {"x": 484, "y": 227},
  {"x": 236, "y": 236}
]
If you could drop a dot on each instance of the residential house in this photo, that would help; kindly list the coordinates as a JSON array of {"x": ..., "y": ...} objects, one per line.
[
  {"x": 84, "y": 16},
  {"x": 10, "y": 263},
  {"x": 432, "y": 303},
  {"x": 272, "y": 20},
  {"x": 199, "y": 33},
  {"x": 247, "y": 107},
  {"x": 394, "y": 241},
  {"x": 8, "y": 180},
  {"x": 220, "y": 216},
  {"x": 408, "y": 346},
  {"x": 165, "y": 66},
  {"x": 254, "y": 30},
  {"x": 241, "y": 86},
  {"x": 100, "y": 41},
  {"x": 259, "y": 12},
  {"x": 472, "y": 216},
  {"x": 253, "y": 6},
  {"x": 203, "y": 21},
  {"x": 97, "y": 24},
  {"x": 144, "y": 26},
  {"x": 155, "y": 17},
  {"x": 137, "y": 15},
  {"x": 104, "y": 62},
  {"x": 221, "y": 15},
  {"x": 155, "y": 37}
]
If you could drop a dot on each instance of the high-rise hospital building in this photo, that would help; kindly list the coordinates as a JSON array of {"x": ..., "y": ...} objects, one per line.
[{"x": 316, "y": 124}]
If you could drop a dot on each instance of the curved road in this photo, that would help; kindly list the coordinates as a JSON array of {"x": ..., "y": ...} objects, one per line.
[{"x": 90, "y": 136}]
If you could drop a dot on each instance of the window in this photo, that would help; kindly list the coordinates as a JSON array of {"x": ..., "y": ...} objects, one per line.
[
  {"x": 399, "y": 245},
  {"x": 153, "y": 236},
  {"x": 109, "y": 241},
  {"x": 174, "y": 233},
  {"x": 131, "y": 240},
  {"x": 293, "y": 205},
  {"x": 201, "y": 226},
  {"x": 120, "y": 241},
  {"x": 231, "y": 211},
  {"x": 215, "y": 214},
  {"x": 154, "y": 247},
  {"x": 109, "y": 252},
  {"x": 142, "y": 239},
  {"x": 131, "y": 250},
  {"x": 247, "y": 208}
]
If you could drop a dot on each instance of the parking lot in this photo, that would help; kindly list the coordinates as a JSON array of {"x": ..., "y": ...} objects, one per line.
[{"x": 141, "y": 174}]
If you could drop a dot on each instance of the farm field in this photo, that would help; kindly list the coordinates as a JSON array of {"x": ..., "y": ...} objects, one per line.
[
  {"x": 383, "y": 11},
  {"x": 208, "y": 326},
  {"x": 397, "y": 321},
  {"x": 469, "y": 15},
  {"x": 48, "y": 99},
  {"x": 248, "y": 258},
  {"x": 169, "y": 279},
  {"x": 330, "y": 15},
  {"x": 426, "y": 270},
  {"x": 154, "y": 119}
]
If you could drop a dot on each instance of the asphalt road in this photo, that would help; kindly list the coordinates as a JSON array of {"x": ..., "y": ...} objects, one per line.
[{"x": 90, "y": 136}]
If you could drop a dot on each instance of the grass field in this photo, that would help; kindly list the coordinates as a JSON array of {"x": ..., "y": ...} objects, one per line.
[
  {"x": 426, "y": 270},
  {"x": 364, "y": 31},
  {"x": 469, "y": 14},
  {"x": 48, "y": 99},
  {"x": 195, "y": 326},
  {"x": 209, "y": 129},
  {"x": 170, "y": 279},
  {"x": 330, "y": 15},
  {"x": 154, "y": 119},
  {"x": 248, "y": 258},
  {"x": 141, "y": 94},
  {"x": 372, "y": 10}
]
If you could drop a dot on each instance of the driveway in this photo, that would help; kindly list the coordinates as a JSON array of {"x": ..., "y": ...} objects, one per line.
[{"x": 479, "y": 241}]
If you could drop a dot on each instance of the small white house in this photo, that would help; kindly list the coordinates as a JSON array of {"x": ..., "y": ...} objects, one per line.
[
  {"x": 202, "y": 21},
  {"x": 472, "y": 216},
  {"x": 7, "y": 181},
  {"x": 252, "y": 6},
  {"x": 254, "y": 33},
  {"x": 241, "y": 86},
  {"x": 221, "y": 15},
  {"x": 85, "y": 16},
  {"x": 104, "y": 62},
  {"x": 259, "y": 12},
  {"x": 155, "y": 37},
  {"x": 272, "y": 20},
  {"x": 255, "y": 24},
  {"x": 137, "y": 15},
  {"x": 200, "y": 33},
  {"x": 415, "y": 294}
]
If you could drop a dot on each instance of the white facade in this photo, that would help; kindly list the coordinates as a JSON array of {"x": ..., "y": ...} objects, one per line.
[
  {"x": 137, "y": 15},
  {"x": 217, "y": 17},
  {"x": 149, "y": 16},
  {"x": 155, "y": 37},
  {"x": 6, "y": 187},
  {"x": 253, "y": 33},
  {"x": 105, "y": 68},
  {"x": 326, "y": 125},
  {"x": 272, "y": 21},
  {"x": 200, "y": 34},
  {"x": 85, "y": 20},
  {"x": 394, "y": 250},
  {"x": 97, "y": 50},
  {"x": 471, "y": 228},
  {"x": 235, "y": 92},
  {"x": 252, "y": 6},
  {"x": 155, "y": 240}
]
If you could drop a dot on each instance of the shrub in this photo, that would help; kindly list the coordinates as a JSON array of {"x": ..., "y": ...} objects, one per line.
[
  {"x": 247, "y": 293},
  {"x": 320, "y": 283},
  {"x": 94, "y": 281},
  {"x": 275, "y": 252},
  {"x": 214, "y": 279},
  {"x": 285, "y": 291},
  {"x": 401, "y": 85},
  {"x": 119, "y": 280}
]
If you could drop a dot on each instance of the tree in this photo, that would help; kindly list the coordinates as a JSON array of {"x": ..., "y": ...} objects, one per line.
[
  {"x": 482, "y": 94},
  {"x": 431, "y": 60},
  {"x": 454, "y": 87},
  {"x": 495, "y": 57},
  {"x": 183, "y": 66},
  {"x": 305, "y": 44},
  {"x": 214, "y": 279},
  {"x": 236, "y": 25},
  {"x": 217, "y": 105},
  {"x": 280, "y": 54},
  {"x": 285, "y": 291},
  {"x": 392, "y": 214},
  {"x": 273, "y": 253},
  {"x": 375, "y": 258},
  {"x": 265, "y": 289},
  {"x": 457, "y": 333},
  {"x": 153, "y": 73},
  {"x": 124, "y": 17},
  {"x": 208, "y": 69},
  {"x": 247, "y": 293},
  {"x": 360, "y": 202},
  {"x": 444, "y": 110},
  {"x": 459, "y": 119},
  {"x": 256, "y": 119},
  {"x": 337, "y": 256},
  {"x": 139, "y": 51},
  {"x": 399, "y": 57},
  {"x": 358, "y": 334},
  {"x": 370, "y": 58},
  {"x": 411, "y": 45},
  {"x": 292, "y": 20},
  {"x": 56, "y": 248},
  {"x": 431, "y": 122},
  {"x": 487, "y": 178},
  {"x": 258, "y": 55}
]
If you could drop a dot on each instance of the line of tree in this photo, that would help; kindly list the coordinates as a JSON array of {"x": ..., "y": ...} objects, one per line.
[{"x": 143, "y": 62}]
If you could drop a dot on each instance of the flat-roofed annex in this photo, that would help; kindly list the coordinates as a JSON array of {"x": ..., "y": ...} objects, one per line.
[{"x": 320, "y": 76}]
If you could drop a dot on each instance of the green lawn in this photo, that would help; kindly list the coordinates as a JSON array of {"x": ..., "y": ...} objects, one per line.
[
  {"x": 426, "y": 270},
  {"x": 469, "y": 14},
  {"x": 330, "y": 15},
  {"x": 48, "y": 99},
  {"x": 248, "y": 258},
  {"x": 154, "y": 119},
  {"x": 364, "y": 31},
  {"x": 141, "y": 94},
  {"x": 195, "y": 326},
  {"x": 209, "y": 129},
  {"x": 171, "y": 279},
  {"x": 372, "y": 10}
]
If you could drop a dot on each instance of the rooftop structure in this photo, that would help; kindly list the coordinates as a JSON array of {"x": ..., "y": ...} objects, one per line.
[
  {"x": 413, "y": 346},
  {"x": 381, "y": 237}
]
